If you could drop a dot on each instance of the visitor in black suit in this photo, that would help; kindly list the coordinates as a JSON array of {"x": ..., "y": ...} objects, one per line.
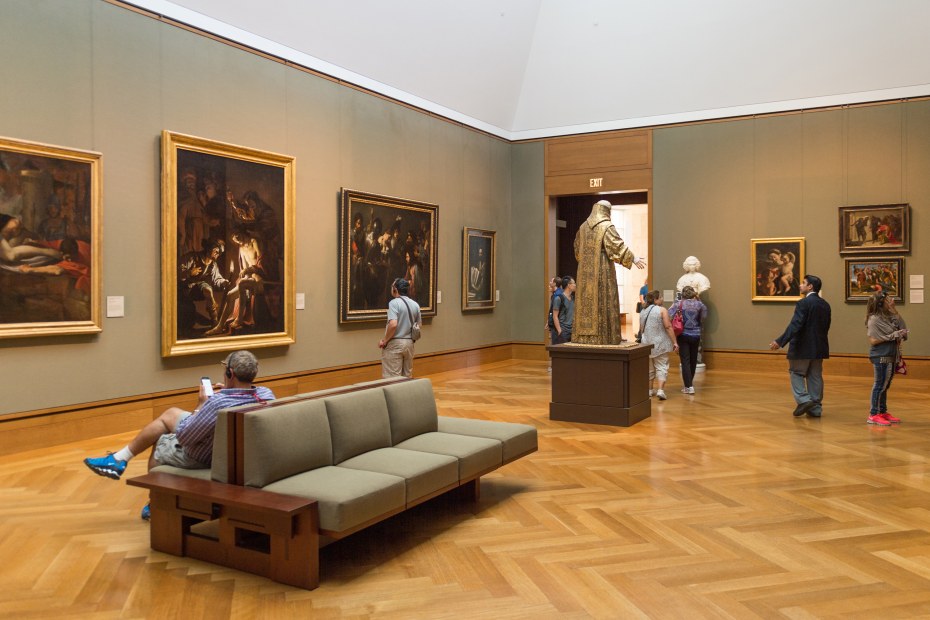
[{"x": 806, "y": 337}]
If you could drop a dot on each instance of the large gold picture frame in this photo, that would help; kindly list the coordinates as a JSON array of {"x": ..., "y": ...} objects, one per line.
[
  {"x": 479, "y": 269},
  {"x": 228, "y": 253},
  {"x": 50, "y": 240},
  {"x": 776, "y": 267},
  {"x": 382, "y": 238}
]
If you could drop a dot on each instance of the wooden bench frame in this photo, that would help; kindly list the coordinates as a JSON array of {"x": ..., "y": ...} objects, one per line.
[
  {"x": 289, "y": 524},
  {"x": 269, "y": 534}
]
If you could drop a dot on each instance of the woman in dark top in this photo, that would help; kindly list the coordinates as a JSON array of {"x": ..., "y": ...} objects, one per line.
[
  {"x": 693, "y": 312},
  {"x": 886, "y": 330}
]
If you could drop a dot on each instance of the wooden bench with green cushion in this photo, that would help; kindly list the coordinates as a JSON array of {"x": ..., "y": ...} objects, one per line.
[{"x": 342, "y": 460}]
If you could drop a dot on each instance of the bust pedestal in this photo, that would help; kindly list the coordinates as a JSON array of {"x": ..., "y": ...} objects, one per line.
[{"x": 600, "y": 384}]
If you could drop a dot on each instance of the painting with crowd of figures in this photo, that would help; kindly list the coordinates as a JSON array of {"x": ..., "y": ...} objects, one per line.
[
  {"x": 228, "y": 246},
  {"x": 383, "y": 238}
]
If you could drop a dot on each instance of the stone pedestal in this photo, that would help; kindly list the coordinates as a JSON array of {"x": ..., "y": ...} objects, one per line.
[{"x": 600, "y": 384}]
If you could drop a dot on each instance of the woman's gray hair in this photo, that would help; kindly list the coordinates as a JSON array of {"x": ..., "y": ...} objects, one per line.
[
  {"x": 688, "y": 292},
  {"x": 243, "y": 365}
]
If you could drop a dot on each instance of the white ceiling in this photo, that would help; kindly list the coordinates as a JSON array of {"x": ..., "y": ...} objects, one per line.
[{"x": 525, "y": 69}]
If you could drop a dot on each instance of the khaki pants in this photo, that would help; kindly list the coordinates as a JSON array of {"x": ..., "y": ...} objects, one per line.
[{"x": 397, "y": 358}]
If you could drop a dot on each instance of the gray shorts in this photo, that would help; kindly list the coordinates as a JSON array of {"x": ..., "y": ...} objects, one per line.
[{"x": 168, "y": 451}]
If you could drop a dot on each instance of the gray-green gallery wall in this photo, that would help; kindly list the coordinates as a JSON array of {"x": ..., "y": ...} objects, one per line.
[
  {"x": 718, "y": 185},
  {"x": 90, "y": 75}
]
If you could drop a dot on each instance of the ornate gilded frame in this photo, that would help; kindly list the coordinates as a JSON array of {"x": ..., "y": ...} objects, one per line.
[
  {"x": 244, "y": 191},
  {"x": 479, "y": 281},
  {"x": 370, "y": 257},
  {"x": 36, "y": 292},
  {"x": 768, "y": 279}
]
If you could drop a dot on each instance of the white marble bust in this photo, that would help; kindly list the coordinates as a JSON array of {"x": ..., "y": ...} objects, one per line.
[{"x": 692, "y": 277}]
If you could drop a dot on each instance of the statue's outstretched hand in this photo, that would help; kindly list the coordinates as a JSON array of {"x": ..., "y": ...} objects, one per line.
[{"x": 640, "y": 263}]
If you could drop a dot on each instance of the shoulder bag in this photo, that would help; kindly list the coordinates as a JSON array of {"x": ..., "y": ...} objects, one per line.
[
  {"x": 642, "y": 325},
  {"x": 678, "y": 322},
  {"x": 900, "y": 366},
  {"x": 414, "y": 326}
]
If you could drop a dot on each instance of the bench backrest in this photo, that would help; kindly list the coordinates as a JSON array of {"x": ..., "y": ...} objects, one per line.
[{"x": 292, "y": 435}]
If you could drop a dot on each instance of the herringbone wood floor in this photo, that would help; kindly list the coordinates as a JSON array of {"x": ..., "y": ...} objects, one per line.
[{"x": 721, "y": 505}]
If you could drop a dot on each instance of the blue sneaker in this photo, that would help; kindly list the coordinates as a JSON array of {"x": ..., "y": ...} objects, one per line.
[
  {"x": 146, "y": 512},
  {"x": 106, "y": 466}
]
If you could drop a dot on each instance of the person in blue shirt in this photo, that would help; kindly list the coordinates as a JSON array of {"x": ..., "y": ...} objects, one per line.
[
  {"x": 642, "y": 297},
  {"x": 563, "y": 312}
]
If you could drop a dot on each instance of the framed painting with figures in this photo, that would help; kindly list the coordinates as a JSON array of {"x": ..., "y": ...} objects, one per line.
[
  {"x": 876, "y": 229},
  {"x": 382, "y": 238},
  {"x": 478, "y": 269},
  {"x": 227, "y": 246},
  {"x": 776, "y": 268},
  {"x": 866, "y": 276},
  {"x": 50, "y": 240}
]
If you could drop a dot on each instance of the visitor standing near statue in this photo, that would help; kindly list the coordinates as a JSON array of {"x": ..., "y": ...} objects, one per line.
[
  {"x": 690, "y": 350},
  {"x": 693, "y": 312},
  {"x": 597, "y": 303}
]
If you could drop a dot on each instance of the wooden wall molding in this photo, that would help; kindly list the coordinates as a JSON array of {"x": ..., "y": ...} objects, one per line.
[
  {"x": 42, "y": 428},
  {"x": 839, "y": 364}
]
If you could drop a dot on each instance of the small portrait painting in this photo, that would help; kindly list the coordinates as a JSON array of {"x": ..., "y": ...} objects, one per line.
[{"x": 478, "y": 269}]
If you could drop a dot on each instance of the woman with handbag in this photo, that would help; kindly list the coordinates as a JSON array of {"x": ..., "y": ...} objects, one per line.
[
  {"x": 887, "y": 331},
  {"x": 691, "y": 312},
  {"x": 656, "y": 329}
]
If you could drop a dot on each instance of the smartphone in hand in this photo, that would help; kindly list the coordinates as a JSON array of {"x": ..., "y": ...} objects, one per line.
[{"x": 207, "y": 386}]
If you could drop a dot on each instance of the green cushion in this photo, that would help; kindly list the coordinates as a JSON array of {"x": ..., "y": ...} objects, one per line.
[
  {"x": 518, "y": 439},
  {"x": 475, "y": 454},
  {"x": 285, "y": 439},
  {"x": 359, "y": 422},
  {"x": 424, "y": 473},
  {"x": 346, "y": 497},
  {"x": 412, "y": 408}
]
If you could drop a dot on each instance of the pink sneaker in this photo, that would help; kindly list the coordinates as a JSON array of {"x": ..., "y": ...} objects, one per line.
[
  {"x": 879, "y": 419},
  {"x": 890, "y": 418}
]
